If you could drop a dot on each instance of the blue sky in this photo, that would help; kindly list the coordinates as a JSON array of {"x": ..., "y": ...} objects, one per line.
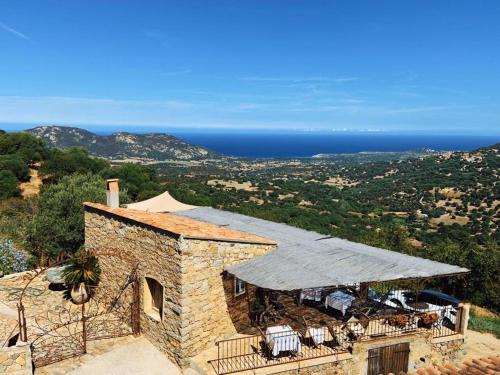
[{"x": 427, "y": 66}]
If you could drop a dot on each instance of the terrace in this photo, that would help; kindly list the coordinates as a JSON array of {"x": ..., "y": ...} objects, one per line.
[
  {"x": 315, "y": 298},
  {"x": 293, "y": 328}
]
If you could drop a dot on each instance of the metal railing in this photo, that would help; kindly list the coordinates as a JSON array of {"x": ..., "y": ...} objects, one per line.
[
  {"x": 271, "y": 349},
  {"x": 280, "y": 344}
]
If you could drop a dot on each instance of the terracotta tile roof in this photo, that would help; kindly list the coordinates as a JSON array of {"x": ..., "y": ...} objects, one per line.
[
  {"x": 188, "y": 228},
  {"x": 482, "y": 366}
]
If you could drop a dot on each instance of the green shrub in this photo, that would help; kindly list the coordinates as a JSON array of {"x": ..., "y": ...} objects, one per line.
[
  {"x": 8, "y": 185},
  {"x": 16, "y": 165}
]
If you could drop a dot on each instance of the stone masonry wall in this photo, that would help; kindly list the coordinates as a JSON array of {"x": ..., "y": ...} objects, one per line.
[
  {"x": 238, "y": 306},
  {"x": 205, "y": 313},
  {"x": 447, "y": 352},
  {"x": 332, "y": 368},
  {"x": 157, "y": 252},
  {"x": 16, "y": 360}
]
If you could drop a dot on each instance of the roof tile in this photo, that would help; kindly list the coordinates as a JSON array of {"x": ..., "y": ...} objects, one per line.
[
  {"x": 188, "y": 228},
  {"x": 481, "y": 366}
]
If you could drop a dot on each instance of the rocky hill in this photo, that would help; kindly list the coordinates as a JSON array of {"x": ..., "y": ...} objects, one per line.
[{"x": 123, "y": 145}]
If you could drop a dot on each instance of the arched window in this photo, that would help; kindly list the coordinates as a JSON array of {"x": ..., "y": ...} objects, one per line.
[{"x": 153, "y": 298}]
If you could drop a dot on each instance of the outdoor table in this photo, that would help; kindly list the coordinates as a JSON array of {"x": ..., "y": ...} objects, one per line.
[
  {"x": 282, "y": 339},
  {"x": 317, "y": 335},
  {"x": 339, "y": 300},
  {"x": 311, "y": 294}
]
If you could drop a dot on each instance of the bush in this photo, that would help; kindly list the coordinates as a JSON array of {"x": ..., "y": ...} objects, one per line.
[
  {"x": 16, "y": 165},
  {"x": 8, "y": 185},
  {"x": 11, "y": 259},
  {"x": 60, "y": 163}
]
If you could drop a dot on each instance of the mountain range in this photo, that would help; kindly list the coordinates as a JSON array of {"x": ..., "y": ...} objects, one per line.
[{"x": 123, "y": 145}]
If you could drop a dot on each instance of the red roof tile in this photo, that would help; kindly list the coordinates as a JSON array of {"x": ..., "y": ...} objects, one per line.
[
  {"x": 188, "y": 228},
  {"x": 481, "y": 366}
]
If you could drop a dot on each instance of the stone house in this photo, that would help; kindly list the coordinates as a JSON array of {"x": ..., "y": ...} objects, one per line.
[{"x": 202, "y": 270}]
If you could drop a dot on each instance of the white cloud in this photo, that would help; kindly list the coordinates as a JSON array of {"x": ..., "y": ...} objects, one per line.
[
  {"x": 68, "y": 110},
  {"x": 261, "y": 113},
  {"x": 299, "y": 79},
  {"x": 14, "y": 32}
]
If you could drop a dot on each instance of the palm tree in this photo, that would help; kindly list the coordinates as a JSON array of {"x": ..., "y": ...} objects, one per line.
[{"x": 81, "y": 272}]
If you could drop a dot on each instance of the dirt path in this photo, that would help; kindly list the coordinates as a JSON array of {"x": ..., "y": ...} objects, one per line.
[{"x": 32, "y": 187}]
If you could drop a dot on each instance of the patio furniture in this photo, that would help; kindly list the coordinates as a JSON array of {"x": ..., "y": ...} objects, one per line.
[
  {"x": 399, "y": 320},
  {"x": 339, "y": 300},
  {"x": 429, "y": 320},
  {"x": 282, "y": 339},
  {"x": 318, "y": 335},
  {"x": 437, "y": 323},
  {"x": 355, "y": 329},
  {"x": 273, "y": 311},
  {"x": 412, "y": 324},
  {"x": 256, "y": 309},
  {"x": 340, "y": 335},
  {"x": 310, "y": 294}
]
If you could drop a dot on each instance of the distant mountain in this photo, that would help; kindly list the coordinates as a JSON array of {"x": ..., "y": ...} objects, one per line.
[
  {"x": 123, "y": 145},
  {"x": 496, "y": 147}
]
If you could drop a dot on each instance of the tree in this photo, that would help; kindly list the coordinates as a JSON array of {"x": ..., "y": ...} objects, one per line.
[
  {"x": 57, "y": 230},
  {"x": 140, "y": 181},
  {"x": 8, "y": 184},
  {"x": 27, "y": 146},
  {"x": 60, "y": 163},
  {"x": 16, "y": 165}
]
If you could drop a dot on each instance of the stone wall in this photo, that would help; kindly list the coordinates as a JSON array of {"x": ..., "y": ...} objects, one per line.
[
  {"x": 159, "y": 258},
  {"x": 423, "y": 353},
  {"x": 447, "y": 352},
  {"x": 238, "y": 306},
  {"x": 195, "y": 303},
  {"x": 16, "y": 360},
  {"x": 333, "y": 368},
  {"x": 206, "y": 316}
]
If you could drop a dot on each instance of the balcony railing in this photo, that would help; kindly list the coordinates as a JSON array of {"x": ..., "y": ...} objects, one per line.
[{"x": 280, "y": 344}]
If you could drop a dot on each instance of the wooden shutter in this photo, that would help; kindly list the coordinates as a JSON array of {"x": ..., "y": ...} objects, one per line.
[{"x": 388, "y": 359}]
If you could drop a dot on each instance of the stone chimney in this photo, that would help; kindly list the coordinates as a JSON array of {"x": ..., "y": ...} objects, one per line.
[{"x": 112, "y": 193}]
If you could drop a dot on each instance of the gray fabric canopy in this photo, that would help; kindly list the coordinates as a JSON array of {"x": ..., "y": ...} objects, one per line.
[{"x": 305, "y": 259}]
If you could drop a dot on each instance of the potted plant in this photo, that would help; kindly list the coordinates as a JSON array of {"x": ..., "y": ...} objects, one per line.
[
  {"x": 428, "y": 319},
  {"x": 399, "y": 320},
  {"x": 81, "y": 272}
]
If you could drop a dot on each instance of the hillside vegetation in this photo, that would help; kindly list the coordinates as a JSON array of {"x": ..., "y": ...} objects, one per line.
[
  {"x": 122, "y": 146},
  {"x": 49, "y": 227},
  {"x": 443, "y": 207}
]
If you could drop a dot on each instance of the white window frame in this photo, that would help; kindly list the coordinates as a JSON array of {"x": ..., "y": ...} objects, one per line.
[{"x": 241, "y": 285}]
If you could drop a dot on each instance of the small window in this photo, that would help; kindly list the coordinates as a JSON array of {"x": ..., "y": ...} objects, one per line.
[
  {"x": 239, "y": 287},
  {"x": 153, "y": 298}
]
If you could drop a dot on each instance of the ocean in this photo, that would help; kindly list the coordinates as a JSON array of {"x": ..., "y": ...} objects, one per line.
[
  {"x": 267, "y": 144},
  {"x": 289, "y": 145}
]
